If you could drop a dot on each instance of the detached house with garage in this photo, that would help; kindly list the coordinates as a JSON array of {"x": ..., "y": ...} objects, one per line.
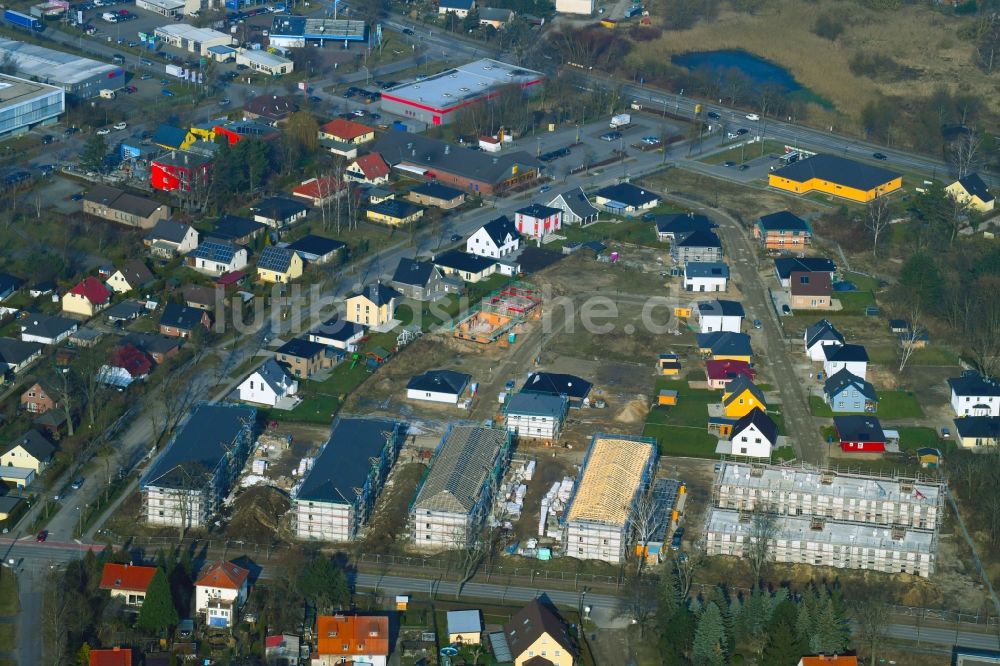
[
  {"x": 497, "y": 238},
  {"x": 269, "y": 385},
  {"x": 974, "y": 395},
  {"x": 421, "y": 280},
  {"x": 535, "y": 636},
  {"x": 459, "y": 8},
  {"x": 468, "y": 267},
  {"x": 720, "y": 315},
  {"x": 180, "y": 321},
  {"x": 32, "y": 451},
  {"x": 626, "y": 199},
  {"x": 537, "y": 221},
  {"x": 338, "y": 333},
  {"x": 87, "y": 298},
  {"x": 862, "y": 434},
  {"x": 576, "y": 207},
  {"x": 536, "y": 415},
  {"x": 279, "y": 212},
  {"x": 446, "y": 386},
  {"x": 785, "y": 266},
  {"x": 169, "y": 238},
  {"x": 753, "y": 436},
  {"x": 678, "y": 225},
  {"x": 343, "y": 137},
  {"x": 782, "y": 231},
  {"x": 47, "y": 329},
  {"x": 16, "y": 355},
  {"x": 852, "y": 358},
  {"x": 40, "y": 397},
  {"x": 820, "y": 335},
  {"x": 810, "y": 291},
  {"x": 279, "y": 265},
  {"x": 220, "y": 592}
]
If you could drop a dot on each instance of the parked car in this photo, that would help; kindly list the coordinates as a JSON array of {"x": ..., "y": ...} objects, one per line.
[
  {"x": 611, "y": 136},
  {"x": 77, "y": 196},
  {"x": 166, "y": 92},
  {"x": 46, "y": 139},
  {"x": 756, "y": 323},
  {"x": 407, "y": 31},
  {"x": 224, "y": 101},
  {"x": 455, "y": 238},
  {"x": 42, "y": 536},
  {"x": 145, "y": 77},
  {"x": 77, "y": 484},
  {"x": 729, "y": 163},
  {"x": 713, "y": 115},
  {"x": 945, "y": 433},
  {"x": 753, "y": 116},
  {"x": 651, "y": 140},
  {"x": 741, "y": 131},
  {"x": 785, "y": 309},
  {"x": 119, "y": 126},
  {"x": 104, "y": 131},
  {"x": 544, "y": 188}
]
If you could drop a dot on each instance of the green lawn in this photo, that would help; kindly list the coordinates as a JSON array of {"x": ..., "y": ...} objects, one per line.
[
  {"x": 8, "y": 637},
  {"x": 891, "y": 405},
  {"x": 854, "y": 302},
  {"x": 8, "y": 594},
  {"x": 752, "y": 152},
  {"x": 916, "y": 437},
  {"x": 633, "y": 231},
  {"x": 783, "y": 453},
  {"x": 862, "y": 282},
  {"x": 682, "y": 430},
  {"x": 889, "y": 355}
]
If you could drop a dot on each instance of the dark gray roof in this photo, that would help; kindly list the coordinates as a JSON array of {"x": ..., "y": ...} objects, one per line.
[
  {"x": 499, "y": 228},
  {"x": 494, "y": 14},
  {"x": 279, "y": 208},
  {"x": 463, "y": 261},
  {"x": 274, "y": 375},
  {"x": 725, "y": 343},
  {"x": 408, "y": 148},
  {"x": 697, "y": 238},
  {"x": 628, "y": 194},
  {"x": 978, "y": 426},
  {"x": 440, "y": 381},
  {"x": 378, "y": 293},
  {"x": 858, "y": 428},
  {"x": 315, "y": 246},
  {"x": 683, "y": 223},
  {"x": 840, "y": 170},
  {"x": 528, "y": 624},
  {"x": 168, "y": 230},
  {"x": 137, "y": 274},
  {"x": 116, "y": 199},
  {"x": 46, "y": 326},
  {"x": 438, "y": 191},
  {"x": 35, "y": 443},
  {"x": 539, "y": 211},
  {"x": 557, "y": 384},
  {"x": 822, "y": 330},
  {"x": 278, "y": 259},
  {"x": 845, "y": 353},
  {"x": 125, "y": 310},
  {"x": 576, "y": 201},
  {"x": 538, "y": 404},
  {"x": 16, "y": 352},
  {"x": 740, "y": 384},
  {"x": 720, "y": 308},
  {"x": 337, "y": 329},
  {"x": 231, "y": 227},
  {"x": 455, "y": 4},
  {"x": 413, "y": 272},
  {"x": 975, "y": 186},
  {"x": 168, "y": 135},
  {"x": 396, "y": 208},
  {"x": 460, "y": 468},
  {"x": 301, "y": 348},
  {"x": 764, "y": 423},
  {"x": 151, "y": 343},
  {"x": 973, "y": 384},
  {"x": 201, "y": 445},
  {"x": 782, "y": 221},
  {"x": 842, "y": 379},
  {"x": 181, "y": 316},
  {"x": 785, "y": 266},
  {"x": 706, "y": 269},
  {"x": 346, "y": 460}
]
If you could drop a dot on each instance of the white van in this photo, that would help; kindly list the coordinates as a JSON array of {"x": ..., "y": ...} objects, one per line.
[{"x": 107, "y": 93}]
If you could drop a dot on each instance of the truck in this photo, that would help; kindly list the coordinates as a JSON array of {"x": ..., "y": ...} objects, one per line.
[
  {"x": 177, "y": 70},
  {"x": 110, "y": 17},
  {"x": 107, "y": 93},
  {"x": 19, "y": 20},
  {"x": 621, "y": 120},
  {"x": 634, "y": 10}
]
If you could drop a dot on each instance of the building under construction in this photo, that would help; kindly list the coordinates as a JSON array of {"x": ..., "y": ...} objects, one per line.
[
  {"x": 499, "y": 315},
  {"x": 616, "y": 471},
  {"x": 829, "y": 518}
]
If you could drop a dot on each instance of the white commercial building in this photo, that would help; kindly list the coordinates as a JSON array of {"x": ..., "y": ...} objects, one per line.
[
  {"x": 189, "y": 38},
  {"x": 599, "y": 517},
  {"x": 25, "y": 104},
  {"x": 264, "y": 61},
  {"x": 575, "y": 6},
  {"x": 339, "y": 491},
  {"x": 455, "y": 498},
  {"x": 82, "y": 77},
  {"x": 166, "y": 8}
]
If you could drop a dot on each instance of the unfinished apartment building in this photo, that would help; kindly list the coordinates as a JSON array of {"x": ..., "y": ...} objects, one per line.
[
  {"x": 598, "y": 521},
  {"x": 828, "y": 518}
]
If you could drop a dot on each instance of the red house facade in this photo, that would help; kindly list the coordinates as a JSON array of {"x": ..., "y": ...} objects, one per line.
[
  {"x": 860, "y": 434},
  {"x": 536, "y": 220},
  {"x": 179, "y": 170}
]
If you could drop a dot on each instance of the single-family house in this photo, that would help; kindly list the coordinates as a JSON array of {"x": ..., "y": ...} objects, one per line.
[
  {"x": 976, "y": 431},
  {"x": 115, "y": 205},
  {"x": 279, "y": 265},
  {"x": 338, "y": 333},
  {"x": 445, "y": 386},
  {"x": 536, "y": 415},
  {"x": 16, "y": 355},
  {"x": 785, "y": 266},
  {"x": 782, "y": 230},
  {"x": 394, "y": 212},
  {"x": 32, "y": 450},
  {"x": 700, "y": 245},
  {"x": 46, "y": 329},
  {"x": 538, "y": 221},
  {"x": 535, "y": 635},
  {"x": 706, "y": 276},
  {"x": 343, "y": 639},
  {"x": 169, "y": 238},
  {"x": 974, "y": 395},
  {"x": 304, "y": 358},
  {"x": 159, "y": 347},
  {"x": 115, "y": 656},
  {"x": 723, "y": 345},
  {"x": 754, "y": 436},
  {"x": 370, "y": 169},
  {"x": 373, "y": 306},
  {"x": 319, "y": 192},
  {"x": 626, "y": 199},
  {"x": 237, "y": 229},
  {"x": 575, "y": 389},
  {"x": 199, "y": 296},
  {"x": 133, "y": 275},
  {"x": 128, "y": 582},
  {"x": 849, "y": 393},
  {"x": 469, "y": 267},
  {"x": 87, "y": 298},
  {"x": 971, "y": 191},
  {"x": 419, "y": 280},
  {"x": 497, "y": 238},
  {"x": 180, "y": 321},
  {"x": 127, "y": 364},
  {"x": 374, "y": 194},
  {"x": 720, "y": 372},
  {"x": 270, "y": 108},
  {"x": 575, "y": 206},
  {"x": 741, "y": 395},
  {"x": 495, "y": 17},
  {"x": 436, "y": 195},
  {"x": 342, "y": 137},
  {"x": 9, "y": 285},
  {"x": 820, "y": 335},
  {"x": 220, "y": 592},
  {"x": 215, "y": 256},
  {"x": 860, "y": 433},
  {"x": 279, "y": 212},
  {"x": 810, "y": 291},
  {"x": 678, "y": 225},
  {"x": 465, "y": 627},
  {"x": 40, "y": 397},
  {"x": 459, "y": 8},
  {"x": 853, "y": 358},
  {"x": 316, "y": 249},
  {"x": 270, "y": 384},
  {"x": 720, "y": 315}
]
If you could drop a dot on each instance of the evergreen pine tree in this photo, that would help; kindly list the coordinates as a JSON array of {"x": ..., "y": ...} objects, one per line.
[
  {"x": 729, "y": 624},
  {"x": 783, "y": 647},
  {"x": 829, "y": 629},
  {"x": 695, "y": 606},
  {"x": 709, "y": 638},
  {"x": 676, "y": 634},
  {"x": 158, "y": 612},
  {"x": 668, "y": 595},
  {"x": 804, "y": 621}
]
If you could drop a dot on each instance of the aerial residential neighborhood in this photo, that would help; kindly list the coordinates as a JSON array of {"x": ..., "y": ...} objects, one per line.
[{"x": 564, "y": 333}]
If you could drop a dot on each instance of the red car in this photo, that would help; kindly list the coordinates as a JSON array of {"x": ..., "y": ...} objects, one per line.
[
  {"x": 131, "y": 89},
  {"x": 42, "y": 536}
]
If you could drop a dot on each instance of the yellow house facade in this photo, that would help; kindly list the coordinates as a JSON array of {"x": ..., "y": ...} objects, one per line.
[
  {"x": 281, "y": 273},
  {"x": 31, "y": 452},
  {"x": 837, "y": 176},
  {"x": 394, "y": 212},
  {"x": 971, "y": 191},
  {"x": 547, "y": 647},
  {"x": 373, "y": 307},
  {"x": 740, "y": 397}
]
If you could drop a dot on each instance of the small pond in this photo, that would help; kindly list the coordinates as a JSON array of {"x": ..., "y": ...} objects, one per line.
[{"x": 758, "y": 70}]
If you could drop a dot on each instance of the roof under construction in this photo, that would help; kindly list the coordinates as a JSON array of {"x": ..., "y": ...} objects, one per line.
[
  {"x": 461, "y": 468},
  {"x": 615, "y": 468}
]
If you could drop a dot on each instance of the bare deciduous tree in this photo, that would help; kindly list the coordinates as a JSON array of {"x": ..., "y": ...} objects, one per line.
[
  {"x": 646, "y": 522},
  {"x": 639, "y": 602},
  {"x": 877, "y": 220},
  {"x": 911, "y": 339},
  {"x": 871, "y": 613},
  {"x": 965, "y": 152},
  {"x": 686, "y": 568},
  {"x": 759, "y": 550}
]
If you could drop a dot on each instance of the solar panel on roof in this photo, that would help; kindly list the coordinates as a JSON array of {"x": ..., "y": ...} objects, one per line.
[
  {"x": 221, "y": 252},
  {"x": 275, "y": 259}
]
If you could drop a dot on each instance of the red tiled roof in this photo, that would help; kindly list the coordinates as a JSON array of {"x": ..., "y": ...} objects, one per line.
[
  {"x": 130, "y": 577},
  {"x": 273, "y": 641},
  {"x": 318, "y": 188},
  {"x": 223, "y": 574},
  {"x": 112, "y": 657},
  {"x": 349, "y": 635},
  {"x": 829, "y": 661},
  {"x": 132, "y": 359},
  {"x": 727, "y": 369},
  {"x": 345, "y": 130},
  {"x": 92, "y": 289},
  {"x": 230, "y": 278},
  {"x": 373, "y": 166}
]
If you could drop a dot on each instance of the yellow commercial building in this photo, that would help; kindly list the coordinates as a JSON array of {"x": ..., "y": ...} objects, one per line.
[{"x": 841, "y": 177}]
